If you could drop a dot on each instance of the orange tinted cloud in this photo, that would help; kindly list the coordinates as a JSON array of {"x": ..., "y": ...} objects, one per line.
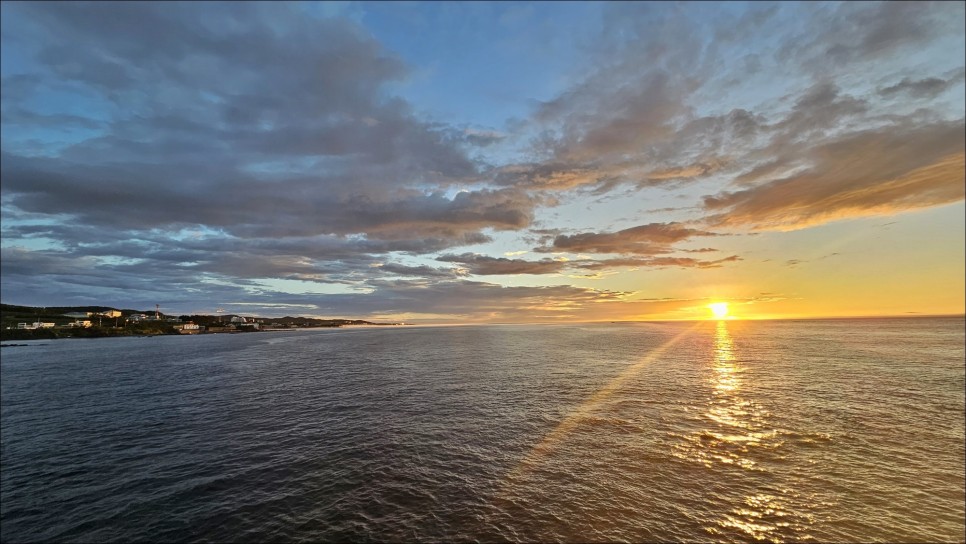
[
  {"x": 649, "y": 239},
  {"x": 875, "y": 172}
]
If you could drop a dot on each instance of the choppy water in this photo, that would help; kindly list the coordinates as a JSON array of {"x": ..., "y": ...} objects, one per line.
[{"x": 732, "y": 431}]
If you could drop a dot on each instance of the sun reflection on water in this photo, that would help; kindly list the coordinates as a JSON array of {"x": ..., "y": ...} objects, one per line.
[
  {"x": 761, "y": 517},
  {"x": 726, "y": 374},
  {"x": 734, "y": 430},
  {"x": 737, "y": 423}
]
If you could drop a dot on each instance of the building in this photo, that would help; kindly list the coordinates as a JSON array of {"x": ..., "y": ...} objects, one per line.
[
  {"x": 81, "y": 323},
  {"x": 189, "y": 328},
  {"x": 82, "y": 315},
  {"x": 35, "y": 325}
]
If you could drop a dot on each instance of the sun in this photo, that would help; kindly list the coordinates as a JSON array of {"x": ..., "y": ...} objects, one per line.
[{"x": 719, "y": 309}]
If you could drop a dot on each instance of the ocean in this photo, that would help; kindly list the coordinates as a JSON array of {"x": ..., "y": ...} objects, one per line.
[{"x": 729, "y": 431}]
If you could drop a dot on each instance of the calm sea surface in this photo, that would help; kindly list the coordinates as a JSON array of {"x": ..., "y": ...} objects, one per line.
[{"x": 844, "y": 430}]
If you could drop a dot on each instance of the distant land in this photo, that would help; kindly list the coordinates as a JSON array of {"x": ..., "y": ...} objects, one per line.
[{"x": 33, "y": 323}]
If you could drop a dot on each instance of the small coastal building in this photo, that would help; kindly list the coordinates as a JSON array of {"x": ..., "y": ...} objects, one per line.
[
  {"x": 81, "y": 323},
  {"x": 189, "y": 328},
  {"x": 35, "y": 325}
]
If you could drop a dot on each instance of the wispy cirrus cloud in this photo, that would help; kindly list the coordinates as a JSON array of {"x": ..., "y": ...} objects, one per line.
[{"x": 874, "y": 172}]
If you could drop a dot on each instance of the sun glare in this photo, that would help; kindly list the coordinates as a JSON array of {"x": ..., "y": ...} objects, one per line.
[{"x": 719, "y": 310}]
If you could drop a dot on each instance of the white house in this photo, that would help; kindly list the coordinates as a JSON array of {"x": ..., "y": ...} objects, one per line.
[
  {"x": 189, "y": 328},
  {"x": 35, "y": 325}
]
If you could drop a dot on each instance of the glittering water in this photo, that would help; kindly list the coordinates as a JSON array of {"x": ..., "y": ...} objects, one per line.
[{"x": 846, "y": 430}]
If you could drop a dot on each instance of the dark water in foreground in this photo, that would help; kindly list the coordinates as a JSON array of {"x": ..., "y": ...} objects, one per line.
[{"x": 732, "y": 431}]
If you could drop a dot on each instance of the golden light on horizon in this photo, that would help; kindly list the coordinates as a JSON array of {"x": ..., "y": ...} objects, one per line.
[{"x": 719, "y": 309}]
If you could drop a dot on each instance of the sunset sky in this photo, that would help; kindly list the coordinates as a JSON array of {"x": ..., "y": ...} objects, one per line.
[{"x": 505, "y": 162}]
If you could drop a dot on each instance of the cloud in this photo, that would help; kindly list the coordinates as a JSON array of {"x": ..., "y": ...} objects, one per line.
[
  {"x": 632, "y": 119},
  {"x": 482, "y": 137},
  {"x": 482, "y": 265},
  {"x": 192, "y": 151},
  {"x": 271, "y": 124},
  {"x": 21, "y": 117},
  {"x": 436, "y": 295},
  {"x": 422, "y": 271},
  {"x": 656, "y": 262},
  {"x": 469, "y": 300},
  {"x": 849, "y": 33},
  {"x": 132, "y": 197},
  {"x": 874, "y": 172},
  {"x": 922, "y": 88},
  {"x": 819, "y": 108},
  {"x": 175, "y": 269},
  {"x": 649, "y": 239}
]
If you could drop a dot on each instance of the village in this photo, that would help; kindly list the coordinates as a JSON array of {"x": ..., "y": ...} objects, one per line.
[
  {"x": 117, "y": 319},
  {"x": 23, "y": 322}
]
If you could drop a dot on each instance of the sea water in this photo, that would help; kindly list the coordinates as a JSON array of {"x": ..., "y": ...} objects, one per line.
[{"x": 837, "y": 430}]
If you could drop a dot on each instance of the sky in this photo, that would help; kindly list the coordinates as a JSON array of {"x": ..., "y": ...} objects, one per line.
[{"x": 485, "y": 161}]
